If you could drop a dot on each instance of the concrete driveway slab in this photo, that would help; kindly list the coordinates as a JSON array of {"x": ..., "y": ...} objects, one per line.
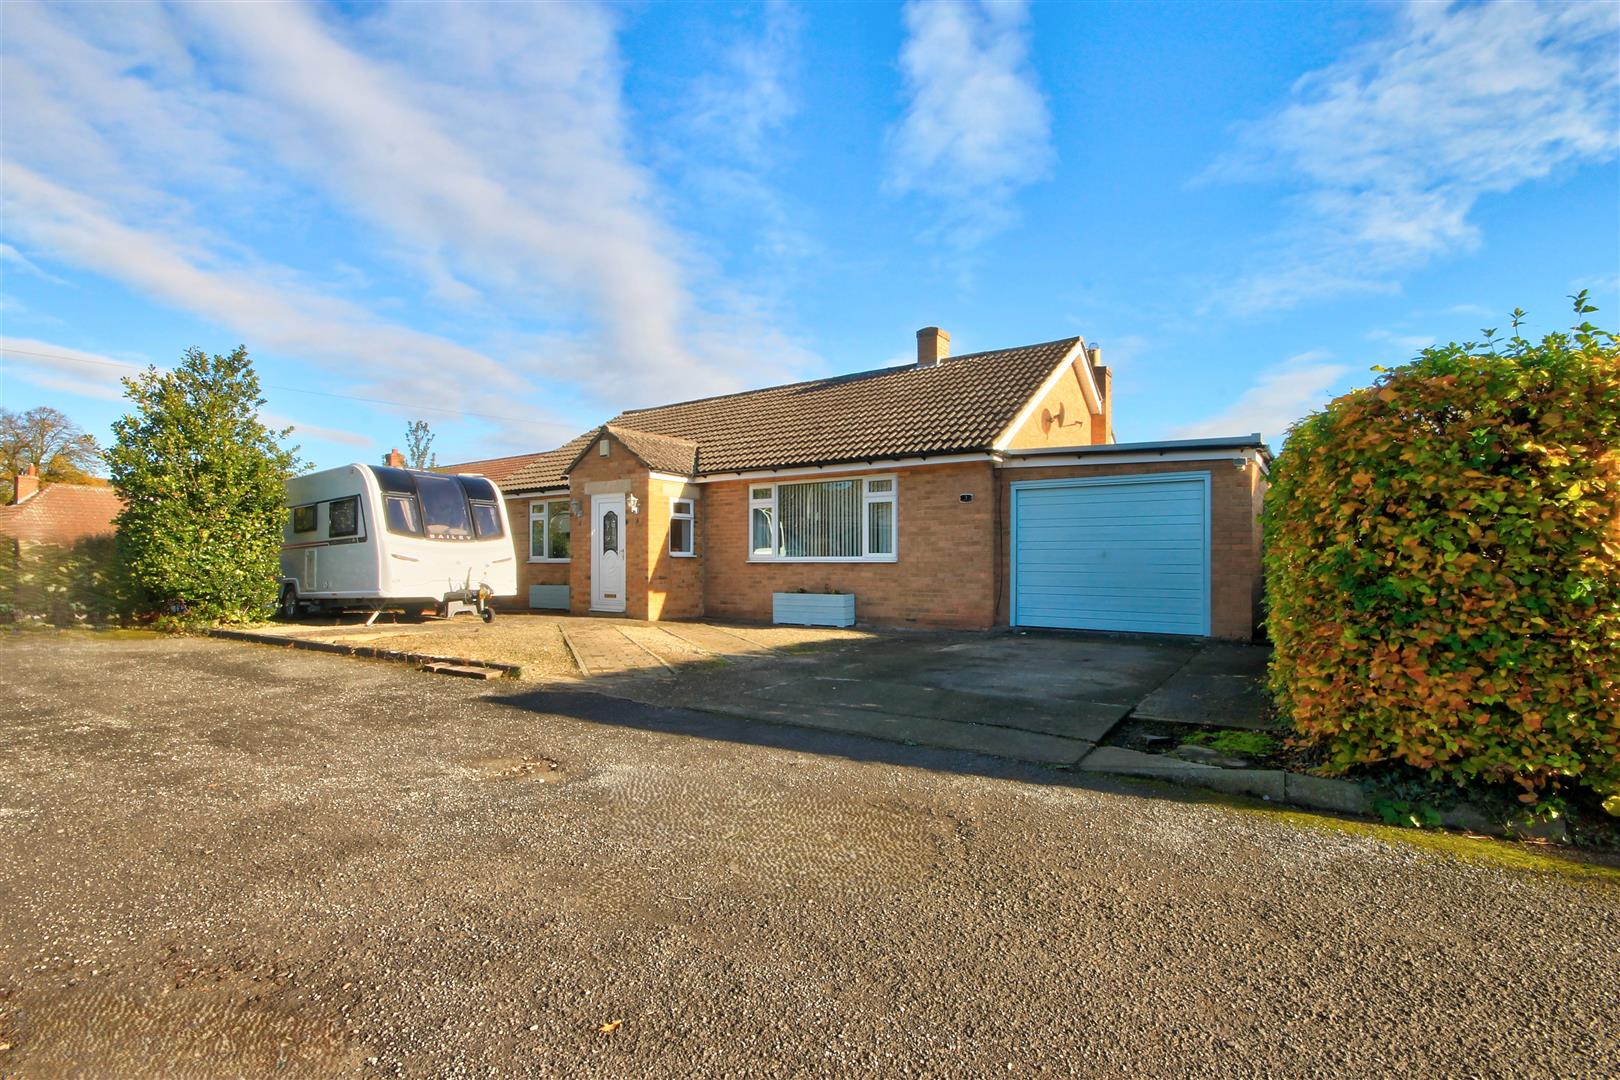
[
  {"x": 1223, "y": 684},
  {"x": 1073, "y": 720},
  {"x": 944, "y": 734}
]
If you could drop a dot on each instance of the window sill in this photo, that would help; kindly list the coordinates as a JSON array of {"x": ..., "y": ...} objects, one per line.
[
  {"x": 683, "y": 554},
  {"x": 767, "y": 560},
  {"x": 535, "y": 560}
]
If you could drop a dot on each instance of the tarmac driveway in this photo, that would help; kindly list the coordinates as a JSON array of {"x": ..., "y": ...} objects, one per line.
[
  {"x": 1046, "y": 698},
  {"x": 228, "y": 860}
]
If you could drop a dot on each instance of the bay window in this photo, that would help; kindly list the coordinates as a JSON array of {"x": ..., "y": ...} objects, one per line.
[
  {"x": 838, "y": 520},
  {"x": 549, "y": 527}
]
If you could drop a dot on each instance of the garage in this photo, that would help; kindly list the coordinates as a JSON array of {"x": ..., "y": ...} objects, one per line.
[{"x": 1122, "y": 553}]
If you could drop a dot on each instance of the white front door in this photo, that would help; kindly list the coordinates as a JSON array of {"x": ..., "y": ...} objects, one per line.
[{"x": 607, "y": 552}]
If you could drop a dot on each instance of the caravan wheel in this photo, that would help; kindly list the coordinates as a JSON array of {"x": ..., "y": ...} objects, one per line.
[
  {"x": 488, "y": 614},
  {"x": 289, "y": 602}
]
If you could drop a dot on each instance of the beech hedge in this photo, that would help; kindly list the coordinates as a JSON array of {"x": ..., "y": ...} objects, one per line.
[{"x": 1443, "y": 566}]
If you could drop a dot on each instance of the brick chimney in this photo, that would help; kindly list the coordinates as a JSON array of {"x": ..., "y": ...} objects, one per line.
[
  {"x": 395, "y": 459},
  {"x": 933, "y": 345},
  {"x": 1102, "y": 427},
  {"x": 27, "y": 485}
]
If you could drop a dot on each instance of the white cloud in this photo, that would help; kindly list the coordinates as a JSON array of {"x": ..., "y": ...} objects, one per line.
[
  {"x": 483, "y": 152},
  {"x": 314, "y": 431},
  {"x": 743, "y": 102},
  {"x": 1390, "y": 148},
  {"x": 490, "y": 143},
  {"x": 9, "y": 254},
  {"x": 976, "y": 128},
  {"x": 50, "y": 366},
  {"x": 78, "y": 230},
  {"x": 57, "y": 367},
  {"x": 1281, "y": 395}
]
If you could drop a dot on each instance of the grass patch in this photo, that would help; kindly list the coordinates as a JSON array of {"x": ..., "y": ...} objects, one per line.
[{"x": 1239, "y": 743}]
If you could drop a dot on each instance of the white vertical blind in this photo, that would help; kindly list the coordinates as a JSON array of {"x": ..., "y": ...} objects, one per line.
[{"x": 820, "y": 520}]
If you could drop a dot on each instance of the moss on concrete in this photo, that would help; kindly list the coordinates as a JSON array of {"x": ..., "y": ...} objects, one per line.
[{"x": 1479, "y": 851}]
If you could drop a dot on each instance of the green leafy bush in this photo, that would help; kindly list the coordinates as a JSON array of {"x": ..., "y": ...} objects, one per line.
[
  {"x": 202, "y": 481},
  {"x": 1443, "y": 565}
]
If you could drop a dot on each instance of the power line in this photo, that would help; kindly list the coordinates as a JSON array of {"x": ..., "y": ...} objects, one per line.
[{"x": 271, "y": 386}]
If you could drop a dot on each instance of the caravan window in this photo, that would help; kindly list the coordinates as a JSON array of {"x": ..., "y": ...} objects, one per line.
[
  {"x": 486, "y": 520},
  {"x": 343, "y": 517},
  {"x": 403, "y": 516},
  {"x": 303, "y": 518},
  {"x": 444, "y": 507}
]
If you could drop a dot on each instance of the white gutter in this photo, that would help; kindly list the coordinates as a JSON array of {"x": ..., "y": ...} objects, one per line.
[
  {"x": 849, "y": 467},
  {"x": 1237, "y": 455}
]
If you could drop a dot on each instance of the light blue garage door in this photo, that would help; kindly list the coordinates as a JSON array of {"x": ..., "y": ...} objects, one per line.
[{"x": 1125, "y": 553}]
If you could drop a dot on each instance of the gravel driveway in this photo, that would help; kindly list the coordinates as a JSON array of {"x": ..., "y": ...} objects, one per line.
[{"x": 221, "y": 859}]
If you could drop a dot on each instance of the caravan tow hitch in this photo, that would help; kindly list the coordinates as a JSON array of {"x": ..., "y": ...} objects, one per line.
[{"x": 477, "y": 600}]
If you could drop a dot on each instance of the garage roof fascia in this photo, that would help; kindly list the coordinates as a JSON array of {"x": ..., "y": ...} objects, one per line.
[
  {"x": 1231, "y": 442},
  {"x": 1250, "y": 446}
]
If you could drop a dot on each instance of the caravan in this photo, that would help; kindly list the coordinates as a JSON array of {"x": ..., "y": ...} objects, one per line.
[{"x": 375, "y": 537}]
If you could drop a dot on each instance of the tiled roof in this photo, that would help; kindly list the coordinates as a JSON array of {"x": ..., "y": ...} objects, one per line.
[
  {"x": 497, "y": 469},
  {"x": 961, "y": 405},
  {"x": 660, "y": 453},
  {"x": 62, "y": 514},
  {"x": 958, "y": 406},
  {"x": 541, "y": 471}
]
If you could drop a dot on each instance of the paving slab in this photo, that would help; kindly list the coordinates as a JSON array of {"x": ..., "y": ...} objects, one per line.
[
  {"x": 717, "y": 640},
  {"x": 1223, "y": 685},
  {"x": 604, "y": 650},
  {"x": 1040, "y": 668},
  {"x": 945, "y": 734},
  {"x": 1083, "y": 720}
]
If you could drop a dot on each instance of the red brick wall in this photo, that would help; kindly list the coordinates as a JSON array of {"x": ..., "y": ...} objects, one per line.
[
  {"x": 1067, "y": 401},
  {"x": 944, "y": 574},
  {"x": 620, "y": 464},
  {"x": 1234, "y": 559},
  {"x": 529, "y": 573},
  {"x": 675, "y": 586}
]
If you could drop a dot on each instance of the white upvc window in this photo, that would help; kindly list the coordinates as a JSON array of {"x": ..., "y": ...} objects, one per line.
[
  {"x": 841, "y": 519},
  {"x": 682, "y": 528},
  {"x": 549, "y": 528}
]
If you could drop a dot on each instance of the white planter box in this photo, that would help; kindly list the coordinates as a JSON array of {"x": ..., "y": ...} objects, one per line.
[{"x": 813, "y": 609}]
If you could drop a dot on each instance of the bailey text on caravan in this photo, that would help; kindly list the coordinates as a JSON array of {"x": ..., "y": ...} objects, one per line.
[{"x": 374, "y": 537}]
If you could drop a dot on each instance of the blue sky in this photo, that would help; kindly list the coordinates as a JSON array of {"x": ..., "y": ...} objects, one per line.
[{"x": 514, "y": 221}]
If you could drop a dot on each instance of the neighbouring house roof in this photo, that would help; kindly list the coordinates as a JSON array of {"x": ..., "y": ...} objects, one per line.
[
  {"x": 496, "y": 469},
  {"x": 62, "y": 514},
  {"x": 960, "y": 405},
  {"x": 540, "y": 472}
]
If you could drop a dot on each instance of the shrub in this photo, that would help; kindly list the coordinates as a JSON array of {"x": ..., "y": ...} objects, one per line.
[
  {"x": 202, "y": 481},
  {"x": 63, "y": 585},
  {"x": 1443, "y": 565}
]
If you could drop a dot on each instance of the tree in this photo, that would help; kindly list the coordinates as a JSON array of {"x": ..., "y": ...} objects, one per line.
[
  {"x": 203, "y": 484},
  {"x": 419, "y": 446},
  {"x": 48, "y": 440}
]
